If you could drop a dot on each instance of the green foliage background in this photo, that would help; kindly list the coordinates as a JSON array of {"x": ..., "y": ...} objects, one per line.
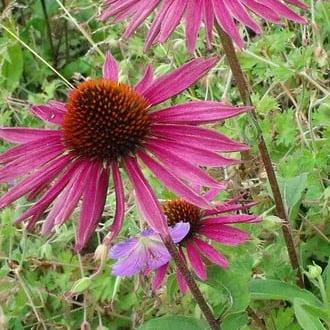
[{"x": 44, "y": 285}]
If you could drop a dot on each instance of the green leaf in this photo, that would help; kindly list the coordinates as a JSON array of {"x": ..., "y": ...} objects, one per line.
[
  {"x": 234, "y": 321},
  {"x": 306, "y": 320},
  {"x": 277, "y": 290},
  {"x": 174, "y": 322}
]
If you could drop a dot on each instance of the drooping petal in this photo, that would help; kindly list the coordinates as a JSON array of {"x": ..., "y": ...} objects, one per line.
[
  {"x": 146, "y": 199},
  {"x": 178, "y": 80},
  {"x": 181, "y": 280},
  {"x": 39, "y": 177},
  {"x": 196, "y": 261},
  {"x": 50, "y": 194},
  {"x": 23, "y": 135},
  {"x": 159, "y": 277},
  {"x": 211, "y": 253},
  {"x": 68, "y": 200},
  {"x": 193, "y": 22},
  {"x": 52, "y": 112},
  {"x": 173, "y": 182},
  {"x": 110, "y": 68},
  {"x": 93, "y": 201},
  {"x": 120, "y": 203}
]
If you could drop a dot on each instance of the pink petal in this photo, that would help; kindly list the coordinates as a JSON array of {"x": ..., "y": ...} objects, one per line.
[
  {"x": 237, "y": 218},
  {"x": 66, "y": 202},
  {"x": 196, "y": 261},
  {"x": 120, "y": 203},
  {"x": 225, "y": 234},
  {"x": 193, "y": 22},
  {"x": 181, "y": 167},
  {"x": 173, "y": 182},
  {"x": 50, "y": 195},
  {"x": 159, "y": 277},
  {"x": 178, "y": 80},
  {"x": 39, "y": 177},
  {"x": 51, "y": 112},
  {"x": 93, "y": 202},
  {"x": 211, "y": 253},
  {"x": 145, "y": 197},
  {"x": 110, "y": 68},
  {"x": 28, "y": 164},
  {"x": 183, "y": 286},
  {"x": 23, "y": 135},
  {"x": 145, "y": 81},
  {"x": 30, "y": 147},
  {"x": 197, "y": 112},
  {"x": 197, "y": 156},
  {"x": 198, "y": 137}
]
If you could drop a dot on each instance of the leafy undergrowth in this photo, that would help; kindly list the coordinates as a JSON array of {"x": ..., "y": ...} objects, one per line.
[{"x": 43, "y": 283}]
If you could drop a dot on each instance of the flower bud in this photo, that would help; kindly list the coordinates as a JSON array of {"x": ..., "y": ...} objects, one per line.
[
  {"x": 81, "y": 285},
  {"x": 101, "y": 253},
  {"x": 314, "y": 271}
]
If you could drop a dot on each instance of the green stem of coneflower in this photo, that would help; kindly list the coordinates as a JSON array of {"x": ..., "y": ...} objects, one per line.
[
  {"x": 242, "y": 86},
  {"x": 49, "y": 30},
  {"x": 182, "y": 266}
]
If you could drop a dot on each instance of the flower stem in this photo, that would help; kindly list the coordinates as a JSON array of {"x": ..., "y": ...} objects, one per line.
[
  {"x": 49, "y": 30},
  {"x": 180, "y": 263},
  {"x": 242, "y": 86}
]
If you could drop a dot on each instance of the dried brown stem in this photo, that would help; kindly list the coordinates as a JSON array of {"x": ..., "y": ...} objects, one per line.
[
  {"x": 242, "y": 86},
  {"x": 181, "y": 264},
  {"x": 49, "y": 30}
]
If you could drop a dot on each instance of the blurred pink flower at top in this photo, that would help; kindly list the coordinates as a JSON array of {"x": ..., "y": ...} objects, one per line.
[
  {"x": 105, "y": 125},
  {"x": 195, "y": 12}
]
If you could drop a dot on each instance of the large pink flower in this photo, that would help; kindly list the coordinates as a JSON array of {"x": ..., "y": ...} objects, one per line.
[
  {"x": 104, "y": 125},
  {"x": 195, "y": 12}
]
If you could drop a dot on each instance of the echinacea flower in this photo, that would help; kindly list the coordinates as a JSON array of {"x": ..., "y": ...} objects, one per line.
[
  {"x": 169, "y": 14},
  {"x": 145, "y": 251},
  {"x": 205, "y": 226},
  {"x": 105, "y": 125}
]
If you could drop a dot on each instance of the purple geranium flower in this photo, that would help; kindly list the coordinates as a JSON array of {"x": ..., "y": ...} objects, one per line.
[
  {"x": 145, "y": 251},
  {"x": 105, "y": 124},
  {"x": 169, "y": 14}
]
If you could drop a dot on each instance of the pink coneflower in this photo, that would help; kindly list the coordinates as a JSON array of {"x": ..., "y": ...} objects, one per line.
[
  {"x": 194, "y": 13},
  {"x": 210, "y": 225},
  {"x": 145, "y": 251},
  {"x": 105, "y": 125}
]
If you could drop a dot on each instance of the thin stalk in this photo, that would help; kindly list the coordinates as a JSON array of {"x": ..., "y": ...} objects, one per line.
[
  {"x": 36, "y": 55},
  {"x": 49, "y": 30},
  {"x": 181, "y": 264},
  {"x": 242, "y": 86}
]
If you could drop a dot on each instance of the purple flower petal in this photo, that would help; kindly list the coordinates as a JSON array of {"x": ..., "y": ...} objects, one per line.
[
  {"x": 159, "y": 277},
  {"x": 196, "y": 261},
  {"x": 23, "y": 135}
]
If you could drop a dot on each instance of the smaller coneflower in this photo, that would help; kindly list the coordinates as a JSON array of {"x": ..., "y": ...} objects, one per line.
[
  {"x": 145, "y": 251},
  {"x": 210, "y": 225},
  {"x": 194, "y": 13}
]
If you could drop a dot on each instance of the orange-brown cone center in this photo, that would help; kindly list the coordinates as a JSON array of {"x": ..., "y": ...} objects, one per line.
[
  {"x": 178, "y": 210},
  {"x": 105, "y": 120}
]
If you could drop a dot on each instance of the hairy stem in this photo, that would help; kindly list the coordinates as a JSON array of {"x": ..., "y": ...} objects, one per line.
[
  {"x": 181, "y": 264},
  {"x": 242, "y": 86}
]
